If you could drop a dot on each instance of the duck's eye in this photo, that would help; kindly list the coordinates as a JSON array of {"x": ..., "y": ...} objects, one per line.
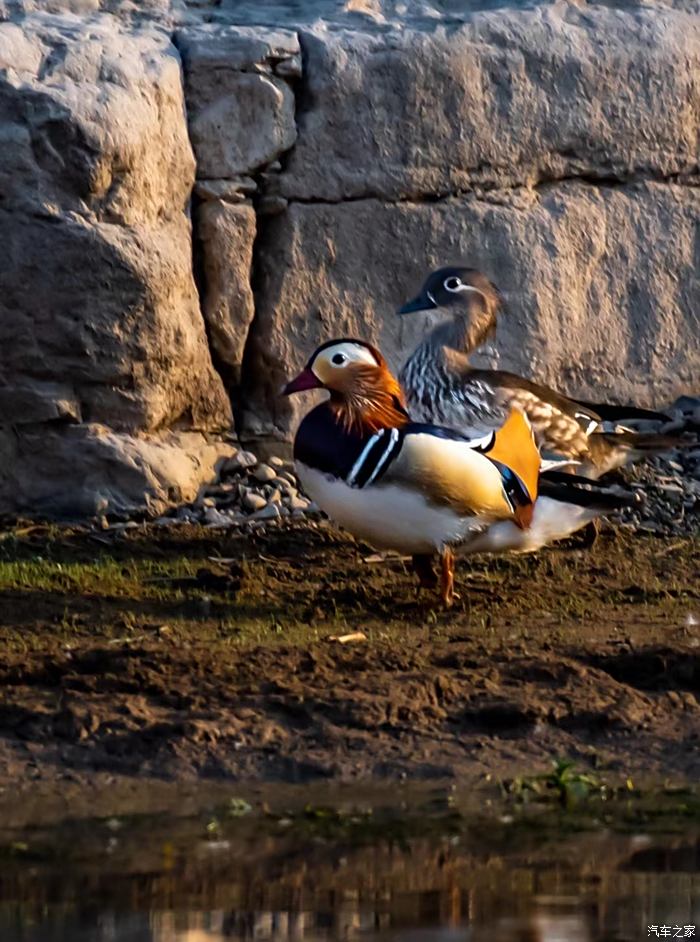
[
  {"x": 453, "y": 283},
  {"x": 338, "y": 359}
]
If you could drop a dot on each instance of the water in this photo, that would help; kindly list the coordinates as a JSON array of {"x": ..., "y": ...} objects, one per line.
[{"x": 419, "y": 873}]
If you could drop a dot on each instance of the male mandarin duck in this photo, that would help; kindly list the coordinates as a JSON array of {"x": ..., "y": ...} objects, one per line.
[
  {"x": 441, "y": 386},
  {"x": 420, "y": 488}
]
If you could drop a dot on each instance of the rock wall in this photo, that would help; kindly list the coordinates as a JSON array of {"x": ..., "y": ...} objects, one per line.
[{"x": 339, "y": 153}]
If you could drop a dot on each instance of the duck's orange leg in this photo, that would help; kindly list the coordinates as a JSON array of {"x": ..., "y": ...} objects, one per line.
[{"x": 447, "y": 577}]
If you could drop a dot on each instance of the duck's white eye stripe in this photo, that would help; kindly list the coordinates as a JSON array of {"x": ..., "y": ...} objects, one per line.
[
  {"x": 463, "y": 287},
  {"x": 388, "y": 452},
  {"x": 357, "y": 467}
]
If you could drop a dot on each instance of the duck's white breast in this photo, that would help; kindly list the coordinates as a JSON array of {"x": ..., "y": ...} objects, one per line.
[{"x": 388, "y": 516}]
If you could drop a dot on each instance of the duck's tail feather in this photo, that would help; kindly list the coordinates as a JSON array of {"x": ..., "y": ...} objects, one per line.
[
  {"x": 612, "y": 450},
  {"x": 584, "y": 492},
  {"x": 612, "y": 413}
]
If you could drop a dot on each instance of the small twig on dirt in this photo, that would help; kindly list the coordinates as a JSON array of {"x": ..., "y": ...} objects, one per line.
[
  {"x": 669, "y": 549},
  {"x": 349, "y": 638},
  {"x": 385, "y": 558}
]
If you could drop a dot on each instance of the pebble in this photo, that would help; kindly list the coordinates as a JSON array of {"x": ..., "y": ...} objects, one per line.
[
  {"x": 298, "y": 503},
  {"x": 214, "y": 518},
  {"x": 264, "y": 473},
  {"x": 240, "y": 461},
  {"x": 252, "y": 501},
  {"x": 276, "y": 462},
  {"x": 270, "y": 512}
]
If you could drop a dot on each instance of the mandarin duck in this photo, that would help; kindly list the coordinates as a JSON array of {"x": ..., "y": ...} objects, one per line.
[
  {"x": 441, "y": 386},
  {"x": 419, "y": 488}
]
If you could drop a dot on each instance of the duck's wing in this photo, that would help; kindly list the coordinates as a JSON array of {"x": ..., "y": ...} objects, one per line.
[
  {"x": 494, "y": 477},
  {"x": 561, "y": 426}
]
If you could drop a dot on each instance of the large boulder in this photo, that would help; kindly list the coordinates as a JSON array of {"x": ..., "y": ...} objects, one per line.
[
  {"x": 113, "y": 472},
  {"x": 99, "y": 315},
  {"x": 601, "y": 287}
]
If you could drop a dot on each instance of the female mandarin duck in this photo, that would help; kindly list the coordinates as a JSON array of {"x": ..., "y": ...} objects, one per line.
[
  {"x": 418, "y": 488},
  {"x": 441, "y": 385}
]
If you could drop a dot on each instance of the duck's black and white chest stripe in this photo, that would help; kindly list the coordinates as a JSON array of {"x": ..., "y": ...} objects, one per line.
[
  {"x": 353, "y": 457},
  {"x": 376, "y": 456}
]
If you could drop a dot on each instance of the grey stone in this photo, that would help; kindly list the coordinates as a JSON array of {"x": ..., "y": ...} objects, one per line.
[
  {"x": 226, "y": 234},
  {"x": 270, "y": 512},
  {"x": 263, "y": 473},
  {"x": 240, "y": 461},
  {"x": 208, "y": 49},
  {"x": 272, "y": 205},
  {"x": 214, "y": 518},
  {"x": 252, "y": 501},
  {"x": 81, "y": 470},
  {"x": 239, "y": 119},
  {"x": 235, "y": 190}
]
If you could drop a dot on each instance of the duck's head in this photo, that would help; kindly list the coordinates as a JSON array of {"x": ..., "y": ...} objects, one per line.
[
  {"x": 465, "y": 295},
  {"x": 363, "y": 390}
]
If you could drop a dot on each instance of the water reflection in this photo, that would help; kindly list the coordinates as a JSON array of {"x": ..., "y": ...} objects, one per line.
[{"x": 153, "y": 883}]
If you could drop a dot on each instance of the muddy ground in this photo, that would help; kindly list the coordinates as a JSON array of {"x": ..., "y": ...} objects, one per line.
[{"x": 184, "y": 653}]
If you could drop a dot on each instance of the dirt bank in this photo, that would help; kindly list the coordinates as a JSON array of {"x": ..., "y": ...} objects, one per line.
[{"x": 137, "y": 653}]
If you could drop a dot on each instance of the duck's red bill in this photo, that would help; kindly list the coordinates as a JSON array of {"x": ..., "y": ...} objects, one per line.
[{"x": 307, "y": 379}]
